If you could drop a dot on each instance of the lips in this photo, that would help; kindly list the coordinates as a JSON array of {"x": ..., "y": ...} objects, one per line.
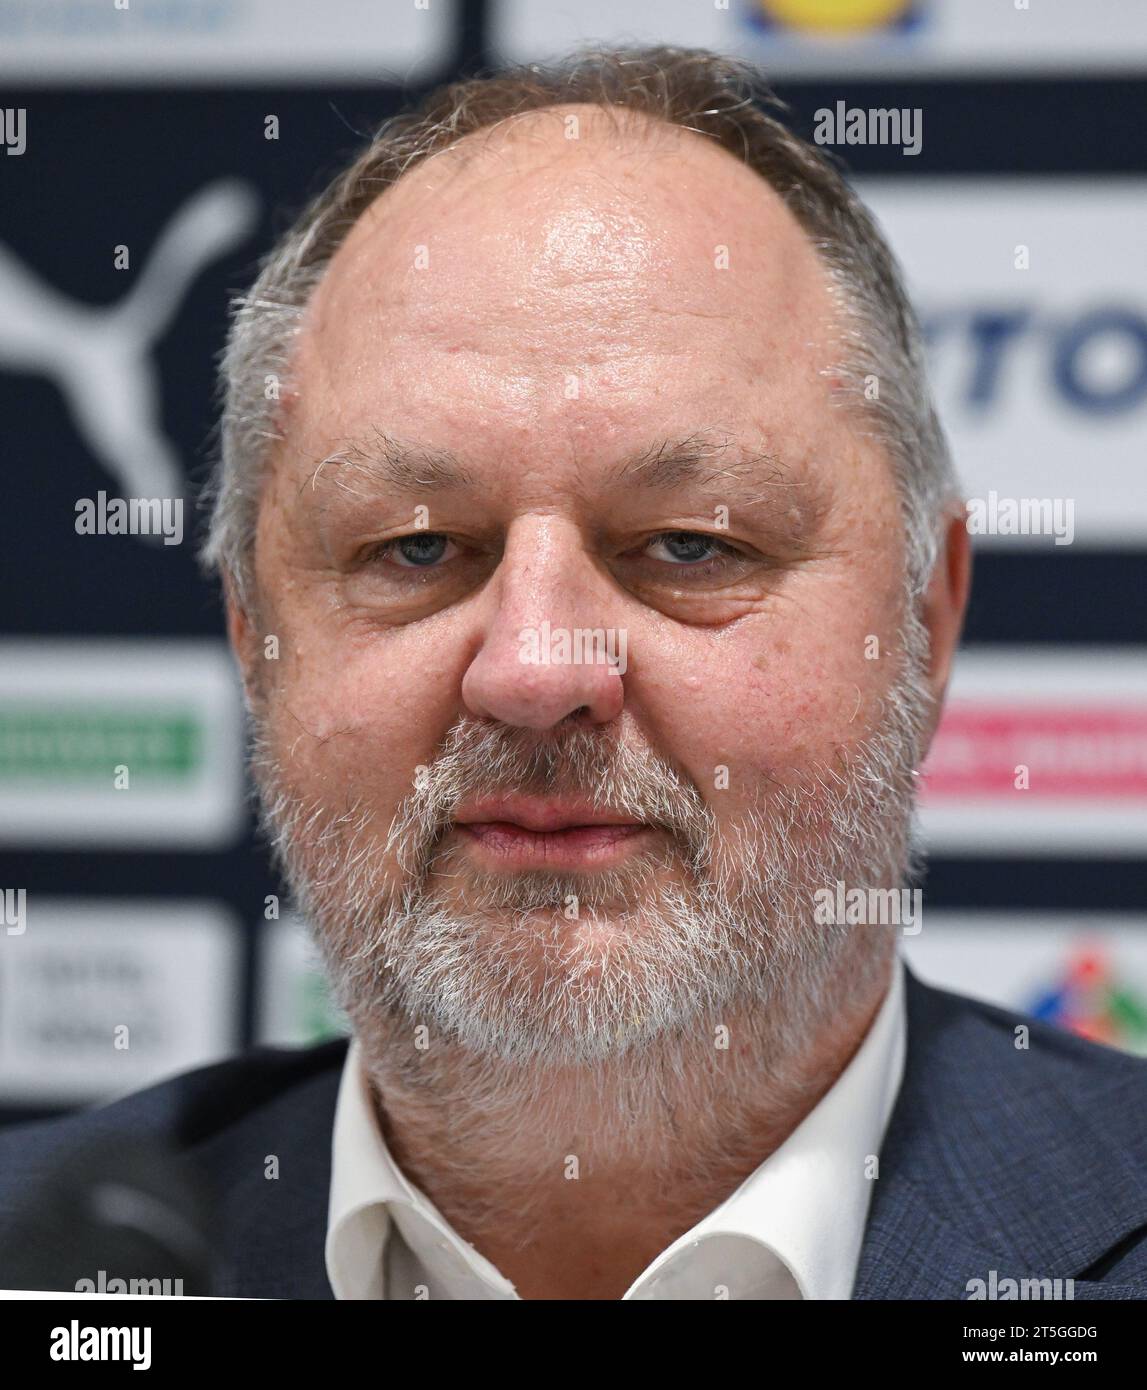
[
  {"x": 532, "y": 833},
  {"x": 539, "y": 816}
]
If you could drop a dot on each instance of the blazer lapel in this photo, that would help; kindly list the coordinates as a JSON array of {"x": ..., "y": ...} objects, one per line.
[
  {"x": 272, "y": 1174},
  {"x": 908, "y": 1253},
  {"x": 998, "y": 1158}
]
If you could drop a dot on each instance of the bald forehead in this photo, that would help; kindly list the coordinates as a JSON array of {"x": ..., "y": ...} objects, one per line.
[
  {"x": 557, "y": 142},
  {"x": 576, "y": 210}
]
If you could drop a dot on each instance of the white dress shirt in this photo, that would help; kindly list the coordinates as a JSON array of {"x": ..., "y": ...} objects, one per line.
[{"x": 793, "y": 1229}]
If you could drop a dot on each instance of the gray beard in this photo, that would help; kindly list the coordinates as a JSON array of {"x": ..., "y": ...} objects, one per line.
[{"x": 432, "y": 960}]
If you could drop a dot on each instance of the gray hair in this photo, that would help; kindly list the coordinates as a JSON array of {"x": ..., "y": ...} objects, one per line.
[{"x": 882, "y": 373}]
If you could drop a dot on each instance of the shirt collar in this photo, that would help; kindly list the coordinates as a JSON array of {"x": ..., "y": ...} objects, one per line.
[
  {"x": 806, "y": 1205},
  {"x": 369, "y": 1191},
  {"x": 808, "y": 1202}
]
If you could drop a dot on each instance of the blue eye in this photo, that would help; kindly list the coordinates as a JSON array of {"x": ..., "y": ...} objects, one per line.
[
  {"x": 689, "y": 547},
  {"x": 420, "y": 550}
]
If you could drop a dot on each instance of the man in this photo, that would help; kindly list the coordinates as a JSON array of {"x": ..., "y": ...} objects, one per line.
[{"x": 595, "y": 565}]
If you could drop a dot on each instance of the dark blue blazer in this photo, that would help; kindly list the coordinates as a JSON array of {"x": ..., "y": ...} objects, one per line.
[{"x": 1031, "y": 1163}]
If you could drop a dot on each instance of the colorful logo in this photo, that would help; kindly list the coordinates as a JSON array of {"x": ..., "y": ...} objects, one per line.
[
  {"x": 1091, "y": 1001},
  {"x": 71, "y": 744},
  {"x": 1088, "y": 751},
  {"x": 837, "y": 18}
]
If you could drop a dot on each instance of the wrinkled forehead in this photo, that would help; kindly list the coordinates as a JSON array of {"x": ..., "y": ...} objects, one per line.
[{"x": 573, "y": 228}]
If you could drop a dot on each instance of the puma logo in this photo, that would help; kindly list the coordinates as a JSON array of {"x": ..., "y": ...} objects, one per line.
[{"x": 101, "y": 356}]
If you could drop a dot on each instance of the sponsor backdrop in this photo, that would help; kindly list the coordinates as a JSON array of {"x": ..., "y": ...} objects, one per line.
[{"x": 149, "y": 152}]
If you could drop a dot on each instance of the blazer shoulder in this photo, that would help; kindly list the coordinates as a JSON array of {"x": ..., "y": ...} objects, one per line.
[
  {"x": 181, "y": 1112},
  {"x": 960, "y": 1030},
  {"x": 1013, "y": 1146},
  {"x": 1019, "y": 1131}
]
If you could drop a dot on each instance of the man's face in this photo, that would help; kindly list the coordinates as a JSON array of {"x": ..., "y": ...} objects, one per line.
[{"x": 568, "y": 385}]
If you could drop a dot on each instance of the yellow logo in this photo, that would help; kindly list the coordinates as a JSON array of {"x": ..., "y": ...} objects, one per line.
[{"x": 835, "y": 16}]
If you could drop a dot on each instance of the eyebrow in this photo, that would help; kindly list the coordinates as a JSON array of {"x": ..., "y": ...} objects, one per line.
[
  {"x": 701, "y": 460},
  {"x": 704, "y": 459},
  {"x": 398, "y": 465}
]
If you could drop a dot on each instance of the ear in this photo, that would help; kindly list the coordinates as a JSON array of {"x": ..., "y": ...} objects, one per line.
[
  {"x": 243, "y": 637},
  {"x": 944, "y": 605}
]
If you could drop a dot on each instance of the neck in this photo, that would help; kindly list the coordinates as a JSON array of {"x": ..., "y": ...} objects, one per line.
[{"x": 571, "y": 1180}]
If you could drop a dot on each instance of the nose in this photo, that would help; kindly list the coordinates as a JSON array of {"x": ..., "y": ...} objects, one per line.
[{"x": 546, "y": 649}]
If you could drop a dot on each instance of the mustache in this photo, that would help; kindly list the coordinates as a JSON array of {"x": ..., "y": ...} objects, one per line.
[{"x": 482, "y": 759}]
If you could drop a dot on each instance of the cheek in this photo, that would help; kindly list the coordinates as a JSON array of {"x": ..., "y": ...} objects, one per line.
[
  {"x": 355, "y": 718},
  {"x": 757, "y": 718},
  {"x": 780, "y": 691}
]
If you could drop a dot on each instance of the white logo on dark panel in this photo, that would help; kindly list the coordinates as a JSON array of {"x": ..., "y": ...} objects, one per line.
[{"x": 100, "y": 356}]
